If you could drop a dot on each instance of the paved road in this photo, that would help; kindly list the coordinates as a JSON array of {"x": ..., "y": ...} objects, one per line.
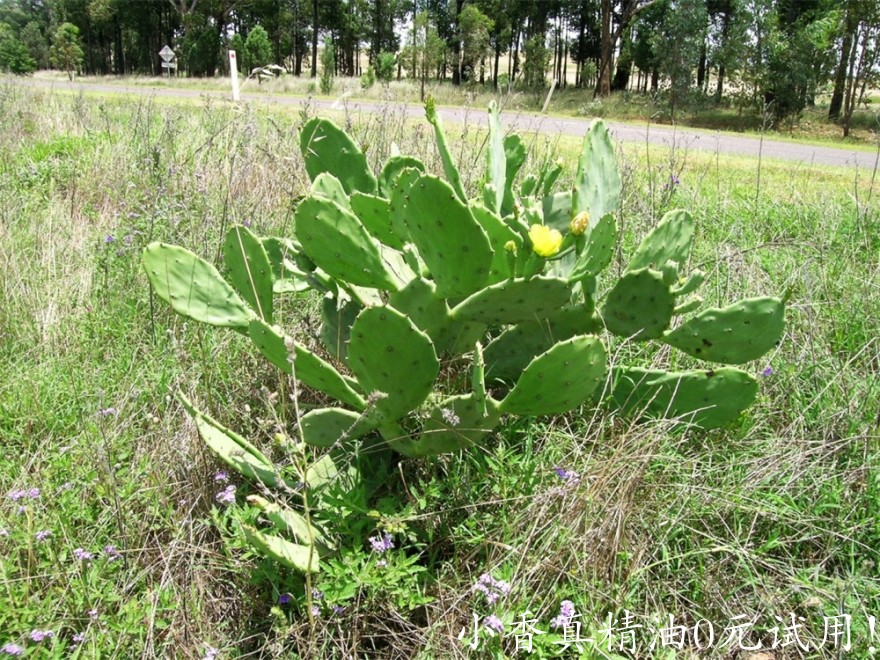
[{"x": 725, "y": 143}]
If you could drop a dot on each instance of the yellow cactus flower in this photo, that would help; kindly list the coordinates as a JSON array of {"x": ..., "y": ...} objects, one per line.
[
  {"x": 545, "y": 241},
  {"x": 510, "y": 246},
  {"x": 579, "y": 223}
]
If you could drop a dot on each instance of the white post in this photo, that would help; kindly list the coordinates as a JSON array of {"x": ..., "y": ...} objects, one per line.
[
  {"x": 550, "y": 94},
  {"x": 233, "y": 73}
]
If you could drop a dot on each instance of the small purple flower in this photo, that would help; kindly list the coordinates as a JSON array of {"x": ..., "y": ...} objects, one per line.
[
  {"x": 112, "y": 553},
  {"x": 768, "y": 371},
  {"x": 381, "y": 564},
  {"x": 493, "y": 623},
  {"x": 83, "y": 555},
  {"x": 211, "y": 653},
  {"x": 33, "y": 493},
  {"x": 564, "y": 474},
  {"x": 93, "y": 614},
  {"x": 4, "y": 531},
  {"x": 12, "y": 649},
  {"x": 106, "y": 412},
  {"x": 338, "y": 609},
  {"x": 40, "y": 635},
  {"x": 221, "y": 477},
  {"x": 43, "y": 535},
  {"x": 79, "y": 638},
  {"x": 226, "y": 496},
  {"x": 383, "y": 543},
  {"x": 128, "y": 239},
  {"x": 316, "y": 611},
  {"x": 449, "y": 416},
  {"x": 16, "y": 495},
  {"x": 317, "y": 595},
  {"x": 284, "y": 598},
  {"x": 109, "y": 238},
  {"x": 246, "y": 223},
  {"x": 566, "y": 614},
  {"x": 491, "y": 588}
]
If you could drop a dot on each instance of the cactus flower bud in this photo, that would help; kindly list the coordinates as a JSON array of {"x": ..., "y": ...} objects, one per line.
[
  {"x": 580, "y": 223},
  {"x": 559, "y": 163},
  {"x": 510, "y": 246},
  {"x": 545, "y": 241}
]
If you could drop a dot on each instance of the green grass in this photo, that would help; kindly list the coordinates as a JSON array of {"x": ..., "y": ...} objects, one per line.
[{"x": 777, "y": 514}]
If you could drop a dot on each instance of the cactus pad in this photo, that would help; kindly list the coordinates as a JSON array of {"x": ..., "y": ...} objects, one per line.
[
  {"x": 453, "y": 245},
  {"x": 496, "y": 167},
  {"x": 457, "y": 422},
  {"x": 735, "y": 334},
  {"x": 639, "y": 306},
  {"x": 708, "y": 399},
  {"x": 328, "y": 186},
  {"x": 193, "y": 287},
  {"x": 327, "y": 148},
  {"x": 310, "y": 369},
  {"x": 340, "y": 245},
  {"x": 499, "y": 234},
  {"x": 336, "y": 322},
  {"x": 670, "y": 240},
  {"x": 325, "y": 427},
  {"x": 390, "y": 355},
  {"x": 598, "y": 250},
  {"x": 419, "y": 302},
  {"x": 513, "y": 301},
  {"x": 375, "y": 214},
  {"x": 597, "y": 181},
  {"x": 558, "y": 380},
  {"x": 392, "y": 169},
  {"x": 249, "y": 269},
  {"x": 302, "y": 558},
  {"x": 511, "y": 351}
]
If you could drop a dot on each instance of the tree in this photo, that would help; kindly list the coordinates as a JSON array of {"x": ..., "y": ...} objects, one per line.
[
  {"x": 537, "y": 60},
  {"x": 14, "y": 55},
  {"x": 257, "y": 49},
  {"x": 32, "y": 37},
  {"x": 328, "y": 65},
  {"x": 678, "y": 48},
  {"x": 66, "y": 52},
  {"x": 473, "y": 40}
]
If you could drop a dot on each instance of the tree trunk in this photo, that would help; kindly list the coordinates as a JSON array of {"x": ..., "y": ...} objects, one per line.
[
  {"x": 701, "y": 67},
  {"x": 603, "y": 85},
  {"x": 315, "y": 39},
  {"x": 456, "y": 45},
  {"x": 719, "y": 88},
  {"x": 497, "y": 58},
  {"x": 840, "y": 74}
]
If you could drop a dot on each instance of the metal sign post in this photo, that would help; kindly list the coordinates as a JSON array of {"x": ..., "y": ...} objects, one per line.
[{"x": 233, "y": 73}]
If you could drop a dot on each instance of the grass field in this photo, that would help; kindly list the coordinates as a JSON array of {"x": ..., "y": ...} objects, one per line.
[{"x": 112, "y": 536}]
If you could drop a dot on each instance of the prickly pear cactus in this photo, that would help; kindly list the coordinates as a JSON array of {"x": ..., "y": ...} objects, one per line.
[{"x": 417, "y": 278}]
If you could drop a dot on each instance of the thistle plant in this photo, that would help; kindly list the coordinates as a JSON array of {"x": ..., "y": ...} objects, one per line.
[{"x": 442, "y": 313}]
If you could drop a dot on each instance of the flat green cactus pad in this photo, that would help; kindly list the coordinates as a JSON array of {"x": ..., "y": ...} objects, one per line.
[
  {"x": 598, "y": 249},
  {"x": 193, "y": 287},
  {"x": 310, "y": 369},
  {"x": 390, "y": 355},
  {"x": 515, "y": 154},
  {"x": 249, "y": 269},
  {"x": 690, "y": 284},
  {"x": 735, "y": 334},
  {"x": 455, "y": 423},
  {"x": 597, "y": 182},
  {"x": 336, "y": 322},
  {"x": 327, "y": 148},
  {"x": 327, "y": 185},
  {"x": 375, "y": 214},
  {"x": 302, "y": 558},
  {"x": 451, "y": 242},
  {"x": 639, "y": 306},
  {"x": 559, "y": 380},
  {"x": 326, "y": 427},
  {"x": 707, "y": 399},
  {"x": 340, "y": 245},
  {"x": 289, "y": 521},
  {"x": 499, "y": 234},
  {"x": 511, "y": 351},
  {"x": 557, "y": 211},
  {"x": 392, "y": 169},
  {"x": 513, "y": 301},
  {"x": 670, "y": 240},
  {"x": 418, "y": 301},
  {"x": 233, "y": 449}
]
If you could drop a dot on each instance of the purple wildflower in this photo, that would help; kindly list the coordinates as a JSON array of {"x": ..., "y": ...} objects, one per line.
[
  {"x": 381, "y": 564},
  {"x": 768, "y": 371},
  {"x": 106, "y": 412},
  {"x": 284, "y": 598},
  {"x": 221, "y": 476},
  {"x": 40, "y": 635},
  {"x": 317, "y": 595},
  {"x": 564, "y": 474},
  {"x": 449, "y": 416},
  {"x": 493, "y": 623},
  {"x": 491, "y": 588},
  {"x": 246, "y": 223},
  {"x": 128, "y": 239},
  {"x": 42, "y": 535},
  {"x": 79, "y": 638},
  {"x": 316, "y": 611},
  {"x": 383, "y": 543},
  {"x": 4, "y": 531},
  {"x": 83, "y": 555},
  {"x": 109, "y": 238},
  {"x": 12, "y": 649},
  {"x": 226, "y": 496},
  {"x": 16, "y": 495},
  {"x": 93, "y": 614},
  {"x": 338, "y": 609},
  {"x": 33, "y": 493},
  {"x": 566, "y": 614},
  {"x": 112, "y": 553},
  {"x": 211, "y": 653}
]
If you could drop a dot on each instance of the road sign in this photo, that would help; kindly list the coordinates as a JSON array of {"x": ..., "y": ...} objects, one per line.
[
  {"x": 166, "y": 54},
  {"x": 169, "y": 65}
]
